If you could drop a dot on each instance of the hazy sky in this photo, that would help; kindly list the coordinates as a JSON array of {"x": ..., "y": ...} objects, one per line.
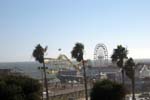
[{"x": 62, "y": 23}]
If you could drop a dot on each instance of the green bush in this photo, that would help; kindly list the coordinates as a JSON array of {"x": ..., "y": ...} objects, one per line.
[
  {"x": 19, "y": 88},
  {"x": 107, "y": 90}
]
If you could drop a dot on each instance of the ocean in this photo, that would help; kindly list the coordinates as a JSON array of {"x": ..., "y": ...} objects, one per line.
[
  {"x": 26, "y": 68},
  {"x": 31, "y": 68}
]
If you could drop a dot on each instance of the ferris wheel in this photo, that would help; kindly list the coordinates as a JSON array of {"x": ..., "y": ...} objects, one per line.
[{"x": 100, "y": 54}]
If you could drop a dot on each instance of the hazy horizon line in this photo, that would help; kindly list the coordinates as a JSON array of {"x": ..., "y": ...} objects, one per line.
[{"x": 71, "y": 59}]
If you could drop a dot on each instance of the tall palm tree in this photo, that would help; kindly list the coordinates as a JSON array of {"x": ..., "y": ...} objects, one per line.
[
  {"x": 118, "y": 56},
  {"x": 130, "y": 71},
  {"x": 38, "y": 54},
  {"x": 77, "y": 53}
]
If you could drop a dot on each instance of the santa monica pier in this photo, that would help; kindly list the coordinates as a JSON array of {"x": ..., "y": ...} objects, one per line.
[{"x": 65, "y": 76}]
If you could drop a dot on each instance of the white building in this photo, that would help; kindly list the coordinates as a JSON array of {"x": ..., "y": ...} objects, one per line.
[{"x": 144, "y": 72}]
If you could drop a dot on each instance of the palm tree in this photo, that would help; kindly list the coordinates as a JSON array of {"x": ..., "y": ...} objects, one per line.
[
  {"x": 130, "y": 71},
  {"x": 38, "y": 54},
  {"x": 118, "y": 56},
  {"x": 77, "y": 53}
]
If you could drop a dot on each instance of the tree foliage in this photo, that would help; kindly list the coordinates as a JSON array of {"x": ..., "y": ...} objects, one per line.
[
  {"x": 107, "y": 90},
  {"x": 77, "y": 52},
  {"x": 38, "y": 53},
  {"x": 118, "y": 56},
  {"x": 129, "y": 68},
  {"x": 19, "y": 88}
]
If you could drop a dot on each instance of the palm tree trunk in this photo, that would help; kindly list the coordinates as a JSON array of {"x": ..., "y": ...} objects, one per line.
[
  {"x": 42, "y": 82},
  {"x": 45, "y": 81},
  {"x": 123, "y": 77},
  {"x": 123, "y": 74},
  {"x": 85, "y": 81},
  {"x": 133, "y": 88}
]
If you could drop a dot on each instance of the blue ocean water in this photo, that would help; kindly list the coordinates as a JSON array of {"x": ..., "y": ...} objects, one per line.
[{"x": 26, "y": 68}]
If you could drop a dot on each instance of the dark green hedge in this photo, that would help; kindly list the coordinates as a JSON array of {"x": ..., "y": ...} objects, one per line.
[
  {"x": 19, "y": 88},
  {"x": 107, "y": 90}
]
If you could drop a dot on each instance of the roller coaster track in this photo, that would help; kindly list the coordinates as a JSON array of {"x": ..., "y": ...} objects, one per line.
[{"x": 63, "y": 57}]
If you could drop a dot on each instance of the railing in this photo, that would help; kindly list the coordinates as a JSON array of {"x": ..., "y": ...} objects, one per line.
[{"x": 74, "y": 92}]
